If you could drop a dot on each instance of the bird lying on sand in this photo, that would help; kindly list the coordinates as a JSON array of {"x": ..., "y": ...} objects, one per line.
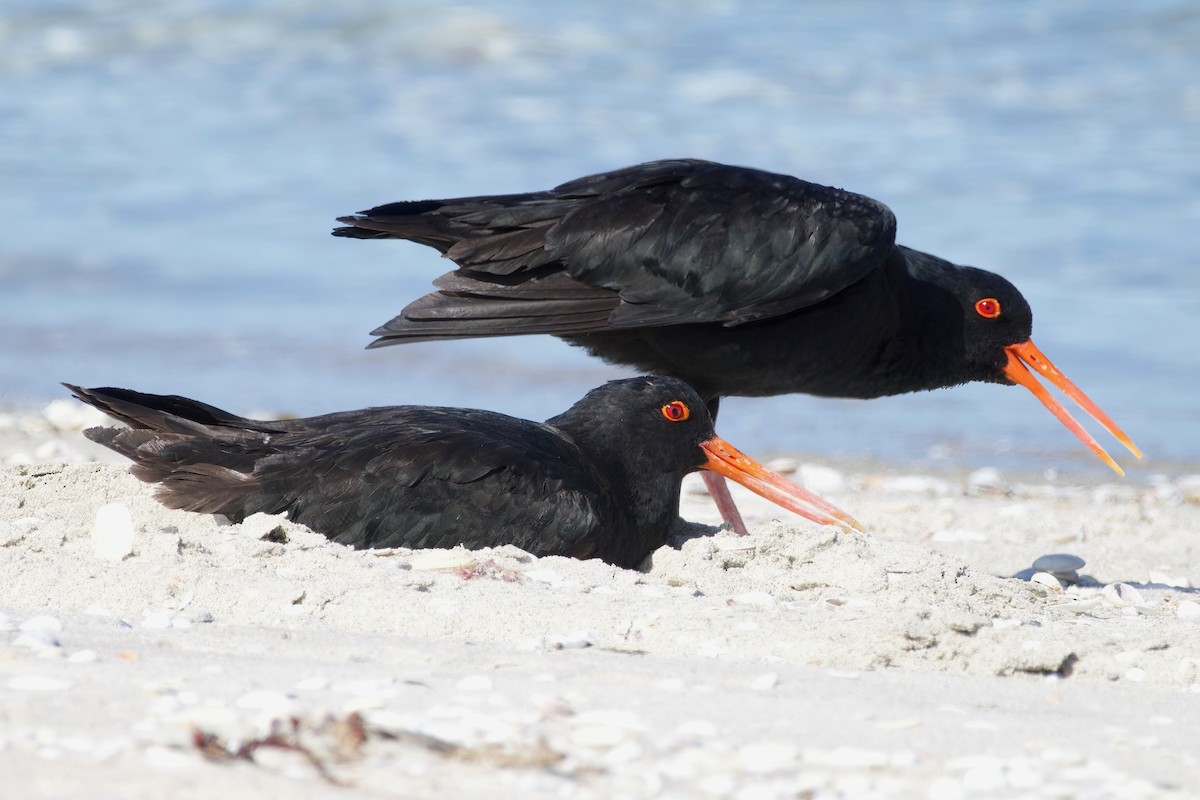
[
  {"x": 738, "y": 281},
  {"x": 600, "y": 480}
]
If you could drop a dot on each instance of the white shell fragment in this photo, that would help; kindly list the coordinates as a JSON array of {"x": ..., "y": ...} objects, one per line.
[
  {"x": 987, "y": 480},
  {"x": 112, "y": 532},
  {"x": 441, "y": 560},
  {"x": 1189, "y": 610},
  {"x": 1047, "y": 580}
]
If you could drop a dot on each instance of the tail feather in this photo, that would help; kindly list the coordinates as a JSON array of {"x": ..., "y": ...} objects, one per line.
[{"x": 202, "y": 458}]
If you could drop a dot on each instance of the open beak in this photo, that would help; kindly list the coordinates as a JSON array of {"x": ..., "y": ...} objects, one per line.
[
  {"x": 727, "y": 460},
  {"x": 1024, "y": 357}
]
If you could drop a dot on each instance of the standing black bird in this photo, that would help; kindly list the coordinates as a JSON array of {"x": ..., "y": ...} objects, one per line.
[
  {"x": 738, "y": 281},
  {"x": 600, "y": 480}
]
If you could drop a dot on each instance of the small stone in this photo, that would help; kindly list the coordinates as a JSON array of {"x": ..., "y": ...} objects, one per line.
[
  {"x": 1135, "y": 674},
  {"x": 112, "y": 532},
  {"x": 1056, "y": 563},
  {"x": 83, "y": 657}
]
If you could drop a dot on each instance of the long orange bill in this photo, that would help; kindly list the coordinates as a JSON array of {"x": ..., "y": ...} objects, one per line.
[
  {"x": 727, "y": 460},
  {"x": 1023, "y": 357}
]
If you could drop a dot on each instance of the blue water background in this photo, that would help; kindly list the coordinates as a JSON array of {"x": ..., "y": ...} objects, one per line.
[{"x": 169, "y": 172}]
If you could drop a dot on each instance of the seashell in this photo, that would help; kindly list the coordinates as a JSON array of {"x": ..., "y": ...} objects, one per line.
[
  {"x": 112, "y": 532},
  {"x": 1081, "y": 605},
  {"x": 1047, "y": 580},
  {"x": 753, "y": 599},
  {"x": 441, "y": 560},
  {"x": 987, "y": 480},
  {"x": 1122, "y": 594},
  {"x": 1189, "y": 610}
]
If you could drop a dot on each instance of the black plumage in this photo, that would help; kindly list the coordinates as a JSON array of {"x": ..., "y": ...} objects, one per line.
[
  {"x": 600, "y": 480},
  {"x": 738, "y": 281}
]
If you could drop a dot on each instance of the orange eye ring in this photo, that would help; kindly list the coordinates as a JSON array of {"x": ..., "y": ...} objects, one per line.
[
  {"x": 676, "y": 411},
  {"x": 988, "y": 308}
]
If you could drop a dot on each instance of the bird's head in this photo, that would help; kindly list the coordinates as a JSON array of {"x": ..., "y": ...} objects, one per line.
[
  {"x": 658, "y": 425},
  {"x": 997, "y": 328}
]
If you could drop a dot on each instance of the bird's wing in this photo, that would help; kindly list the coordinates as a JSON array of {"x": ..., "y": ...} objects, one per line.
[
  {"x": 421, "y": 477},
  {"x": 409, "y": 476},
  {"x": 663, "y": 243},
  {"x": 721, "y": 244}
]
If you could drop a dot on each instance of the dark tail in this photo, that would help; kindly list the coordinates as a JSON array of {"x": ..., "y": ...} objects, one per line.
[{"x": 203, "y": 458}]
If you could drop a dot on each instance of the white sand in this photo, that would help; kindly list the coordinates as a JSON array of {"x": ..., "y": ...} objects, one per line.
[{"x": 795, "y": 662}]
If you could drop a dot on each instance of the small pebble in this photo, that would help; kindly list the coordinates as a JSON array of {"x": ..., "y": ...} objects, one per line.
[
  {"x": 112, "y": 532},
  {"x": 1056, "y": 563},
  {"x": 83, "y": 657}
]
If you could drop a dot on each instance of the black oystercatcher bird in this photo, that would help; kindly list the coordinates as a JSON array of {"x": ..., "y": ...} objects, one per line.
[
  {"x": 598, "y": 481},
  {"x": 738, "y": 281}
]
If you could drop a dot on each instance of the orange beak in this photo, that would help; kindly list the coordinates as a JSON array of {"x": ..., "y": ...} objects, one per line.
[
  {"x": 1022, "y": 358},
  {"x": 727, "y": 460}
]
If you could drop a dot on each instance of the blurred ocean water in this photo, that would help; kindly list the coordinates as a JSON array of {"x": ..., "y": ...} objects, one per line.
[{"x": 169, "y": 173}]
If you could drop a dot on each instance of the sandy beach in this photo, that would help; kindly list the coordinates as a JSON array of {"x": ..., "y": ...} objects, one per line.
[{"x": 145, "y": 651}]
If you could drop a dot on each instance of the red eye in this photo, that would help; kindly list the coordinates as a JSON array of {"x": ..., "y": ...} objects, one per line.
[
  {"x": 676, "y": 411},
  {"x": 988, "y": 308}
]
